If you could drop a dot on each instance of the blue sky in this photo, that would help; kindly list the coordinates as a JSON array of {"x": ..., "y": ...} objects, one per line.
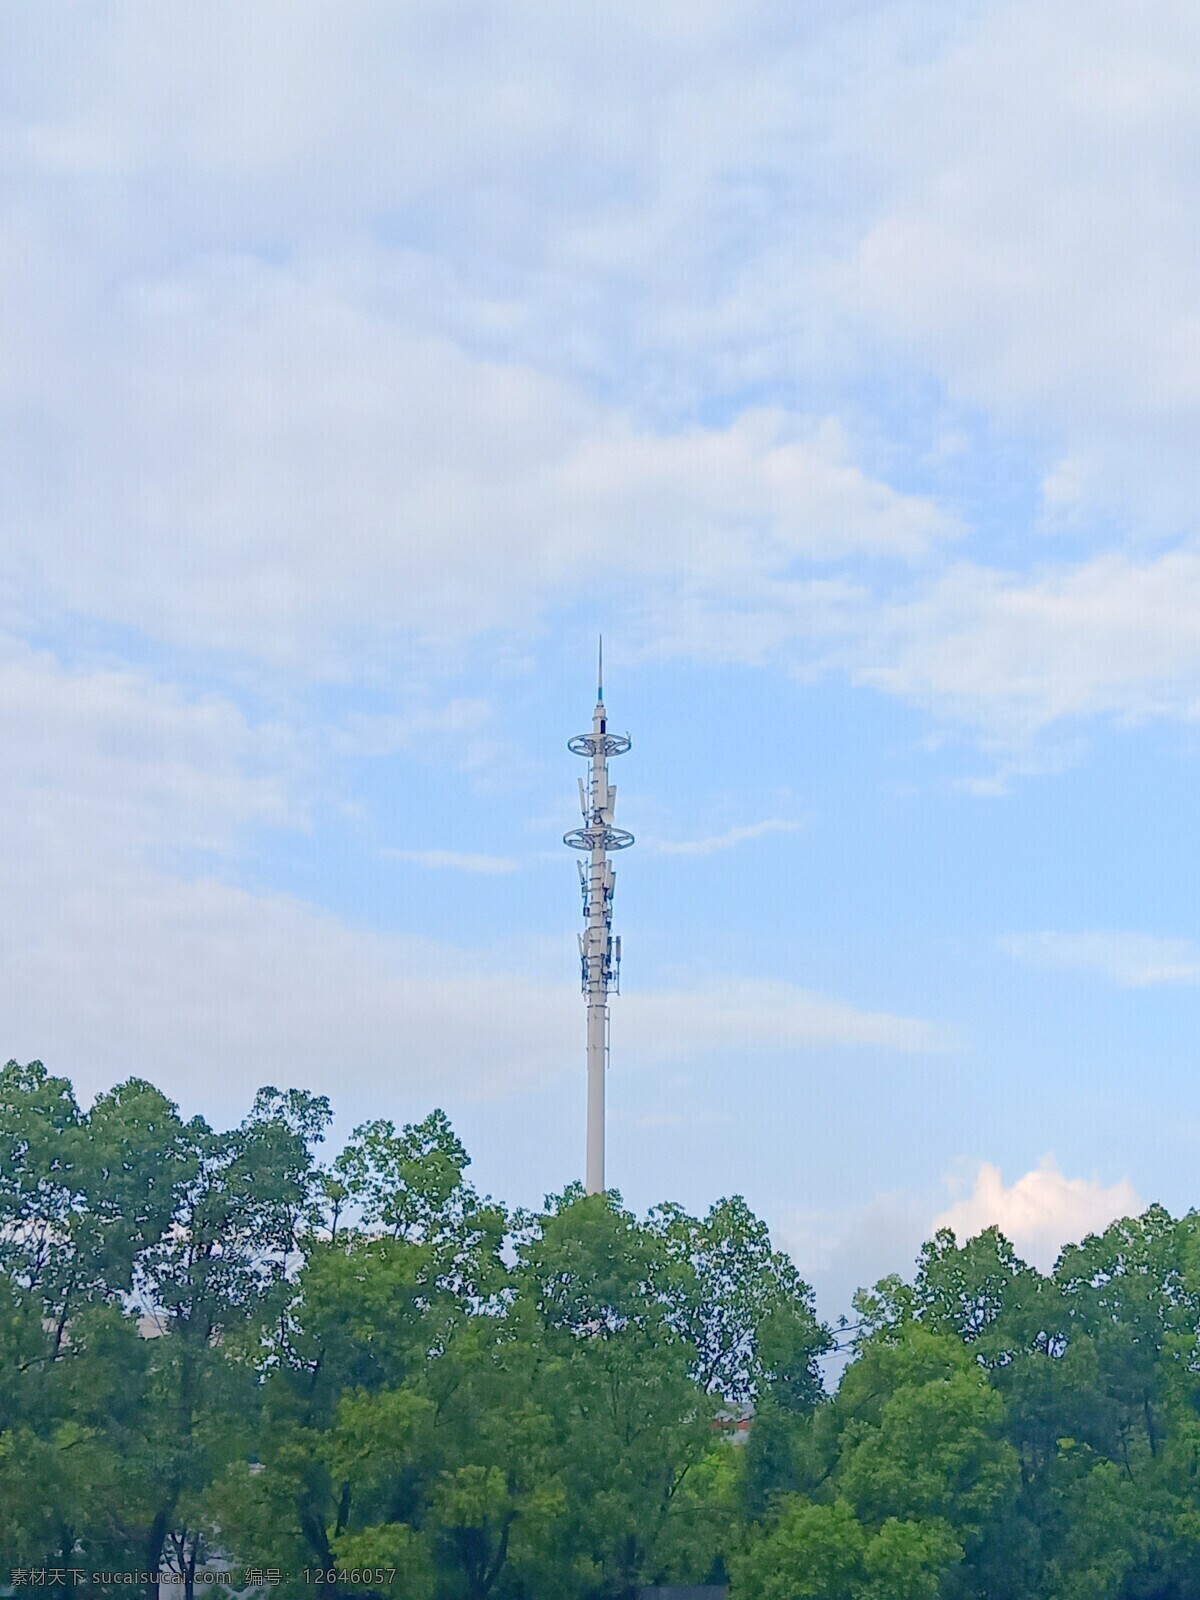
[{"x": 841, "y": 363}]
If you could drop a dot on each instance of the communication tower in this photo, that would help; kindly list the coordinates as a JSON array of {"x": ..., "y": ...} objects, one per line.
[{"x": 599, "y": 952}]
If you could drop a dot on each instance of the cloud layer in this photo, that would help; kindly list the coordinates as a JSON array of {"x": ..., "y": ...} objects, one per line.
[
  {"x": 288, "y": 375},
  {"x": 1035, "y": 246},
  {"x": 211, "y": 990},
  {"x": 841, "y": 1251},
  {"x": 731, "y": 837},
  {"x": 1133, "y": 960},
  {"x": 1041, "y": 1211},
  {"x": 455, "y": 860}
]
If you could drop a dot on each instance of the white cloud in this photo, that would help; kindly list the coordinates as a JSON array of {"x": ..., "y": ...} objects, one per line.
[
  {"x": 1011, "y": 655},
  {"x": 456, "y": 860},
  {"x": 109, "y": 764},
  {"x": 209, "y": 989},
  {"x": 1034, "y": 244},
  {"x": 381, "y": 733},
  {"x": 319, "y": 401},
  {"x": 756, "y": 1014},
  {"x": 723, "y": 841},
  {"x": 324, "y": 413},
  {"x": 1042, "y": 1211},
  {"x": 841, "y": 1250},
  {"x": 307, "y": 376},
  {"x": 268, "y": 463},
  {"x": 1133, "y": 960}
]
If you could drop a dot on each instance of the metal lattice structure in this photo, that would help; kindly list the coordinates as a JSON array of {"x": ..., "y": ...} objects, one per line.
[{"x": 599, "y": 952}]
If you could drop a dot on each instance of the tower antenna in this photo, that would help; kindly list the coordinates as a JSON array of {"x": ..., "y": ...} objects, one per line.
[{"x": 599, "y": 952}]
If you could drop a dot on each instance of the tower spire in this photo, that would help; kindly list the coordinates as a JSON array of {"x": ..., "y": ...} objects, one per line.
[{"x": 599, "y": 952}]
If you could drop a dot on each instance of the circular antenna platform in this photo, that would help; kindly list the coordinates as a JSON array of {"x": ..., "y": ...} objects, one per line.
[
  {"x": 598, "y": 838},
  {"x": 599, "y": 744}
]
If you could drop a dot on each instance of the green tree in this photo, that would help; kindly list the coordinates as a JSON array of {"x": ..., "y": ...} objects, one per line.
[
  {"x": 401, "y": 1256},
  {"x": 810, "y": 1552},
  {"x": 747, "y": 1312},
  {"x": 601, "y": 1295}
]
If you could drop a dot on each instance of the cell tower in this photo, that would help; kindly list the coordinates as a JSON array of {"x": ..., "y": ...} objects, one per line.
[{"x": 599, "y": 952}]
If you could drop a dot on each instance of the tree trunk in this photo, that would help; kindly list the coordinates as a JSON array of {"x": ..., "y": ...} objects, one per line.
[{"x": 156, "y": 1542}]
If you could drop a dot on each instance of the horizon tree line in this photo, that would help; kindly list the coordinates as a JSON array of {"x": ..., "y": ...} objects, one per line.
[{"x": 374, "y": 1380}]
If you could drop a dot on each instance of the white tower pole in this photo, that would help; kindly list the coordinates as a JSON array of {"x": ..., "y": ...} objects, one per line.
[{"x": 599, "y": 953}]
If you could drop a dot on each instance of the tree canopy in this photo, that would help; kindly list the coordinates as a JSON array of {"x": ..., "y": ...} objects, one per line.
[{"x": 218, "y": 1352}]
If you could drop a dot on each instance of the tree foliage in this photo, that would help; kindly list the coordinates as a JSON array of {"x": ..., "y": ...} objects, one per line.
[{"x": 213, "y": 1349}]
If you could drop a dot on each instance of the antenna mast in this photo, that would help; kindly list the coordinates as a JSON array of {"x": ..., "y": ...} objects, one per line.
[{"x": 599, "y": 953}]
